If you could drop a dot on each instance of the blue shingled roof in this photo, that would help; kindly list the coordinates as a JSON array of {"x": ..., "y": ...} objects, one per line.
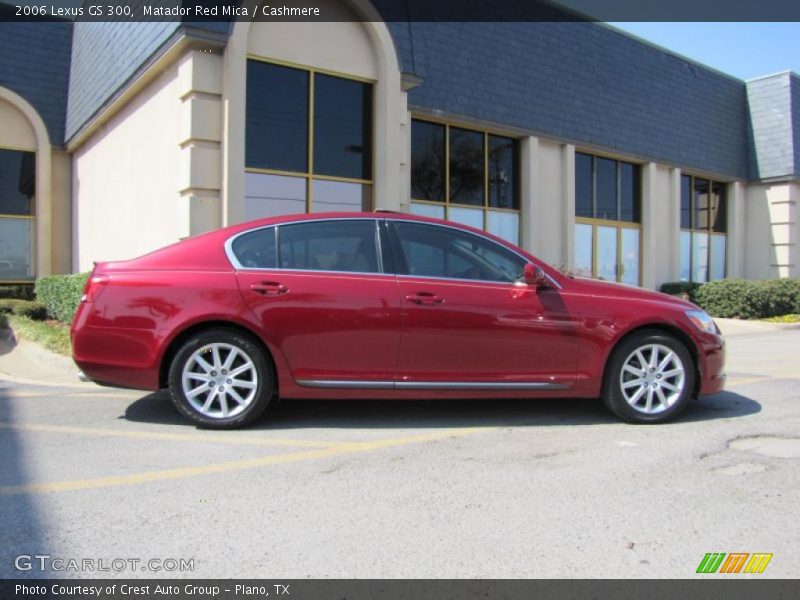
[{"x": 34, "y": 63}]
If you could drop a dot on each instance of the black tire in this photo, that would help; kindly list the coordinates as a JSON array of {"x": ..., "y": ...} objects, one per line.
[
  {"x": 664, "y": 405},
  {"x": 223, "y": 411}
]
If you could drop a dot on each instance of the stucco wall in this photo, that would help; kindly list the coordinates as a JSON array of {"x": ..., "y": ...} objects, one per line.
[
  {"x": 16, "y": 132},
  {"x": 126, "y": 179}
]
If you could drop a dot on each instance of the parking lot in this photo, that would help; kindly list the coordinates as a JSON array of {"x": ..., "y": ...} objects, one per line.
[{"x": 490, "y": 489}]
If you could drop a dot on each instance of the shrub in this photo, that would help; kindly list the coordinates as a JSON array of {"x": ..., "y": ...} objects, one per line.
[
  {"x": 733, "y": 298},
  {"x": 679, "y": 288},
  {"x": 23, "y": 308},
  {"x": 18, "y": 292},
  {"x": 61, "y": 294},
  {"x": 784, "y": 296}
]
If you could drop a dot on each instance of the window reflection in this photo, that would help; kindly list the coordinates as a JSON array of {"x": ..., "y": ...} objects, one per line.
[
  {"x": 273, "y": 195},
  {"x": 427, "y": 160},
  {"x": 607, "y": 253},
  {"x": 583, "y": 250},
  {"x": 503, "y": 172},
  {"x": 341, "y": 196},
  {"x": 342, "y": 127},
  {"x": 276, "y": 135},
  {"x": 466, "y": 167},
  {"x": 16, "y": 249}
]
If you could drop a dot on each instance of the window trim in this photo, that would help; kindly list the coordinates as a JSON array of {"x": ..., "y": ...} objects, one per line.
[
  {"x": 709, "y": 231},
  {"x": 309, "y": 175},
  {"x": 618, "y": 224},
  {"x": 485, "y": 132},
  {"x": 385, "y": 253}
]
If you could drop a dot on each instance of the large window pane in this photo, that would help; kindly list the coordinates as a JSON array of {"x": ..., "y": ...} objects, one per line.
[
  {"x": 329, "y": 246},
  {"x": 606, "y": 173},
  {"x": 16, "y": 249},
  {"x": 583, "y": 250},
  {"x": 341, "y": 196},
  {"x": 342, "y": 127},
  {"x": 503, "y": 159},
  {"x": 607, "y": 253},
  {"x": 17, "y": 182},
  {"x": 427, "y": 210},
  {"x": 699, "y": 257},
  {"x": 717, "y": 266},
  {"x": 466, "y": 167},
  {"x": 701, "y": 204},
  {"x": 685, "y": 267},
  {"x": 583, "y": 185},
  {"x": 630, "y": 193},
  {"x": 718, "y": 208},
  {"x": 466, "y": 216},
  {"x": 276, "y": 117},
  {"x": 504, "y": 225},
  {"x": 427, "y": 161},
  {"x": 630, "y": 256},
  {"x": 273, "y": 195},
  {"x": 686, "y": 202}
]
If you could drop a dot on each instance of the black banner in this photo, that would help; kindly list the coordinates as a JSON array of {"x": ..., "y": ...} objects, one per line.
[
  {"x": 731, "y": 588},
  {"x": 225, "y": 11}
]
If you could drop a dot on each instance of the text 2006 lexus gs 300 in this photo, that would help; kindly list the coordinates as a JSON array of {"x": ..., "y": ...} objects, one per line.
[{"x": 382, "y": 305}]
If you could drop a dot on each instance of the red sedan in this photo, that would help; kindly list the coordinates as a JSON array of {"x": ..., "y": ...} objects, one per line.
[{"x": 382, "y": 305}]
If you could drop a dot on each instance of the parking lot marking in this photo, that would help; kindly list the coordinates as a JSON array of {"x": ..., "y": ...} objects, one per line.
[
  {"x": 236, "y": 465},
  {"x": 176, "y": 437}
]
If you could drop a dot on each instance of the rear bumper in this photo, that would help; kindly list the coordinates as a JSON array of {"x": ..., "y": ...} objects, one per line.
[{"x": 116, "y": 356}]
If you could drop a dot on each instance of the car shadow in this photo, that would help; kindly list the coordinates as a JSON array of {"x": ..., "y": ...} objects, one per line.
[{"x": 157, "y": 408}]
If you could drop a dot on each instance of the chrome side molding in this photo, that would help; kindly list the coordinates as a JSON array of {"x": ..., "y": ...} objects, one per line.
[{"x": 430, "y": 385}]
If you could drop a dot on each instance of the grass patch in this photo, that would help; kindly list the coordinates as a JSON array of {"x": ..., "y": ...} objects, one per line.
[
  {"x": 51, "y": 334},
  {"x": 793, "y": 318}
]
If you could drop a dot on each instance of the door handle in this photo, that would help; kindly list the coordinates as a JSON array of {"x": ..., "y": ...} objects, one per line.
[
  {"x": 269, "y": 288},
  {"x": 425, "y": 298}
]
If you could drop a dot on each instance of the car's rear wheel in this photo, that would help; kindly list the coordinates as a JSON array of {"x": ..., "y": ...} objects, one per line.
[
  {"x": 220, "y": 378},
  {"x": 650, "y": 378}
]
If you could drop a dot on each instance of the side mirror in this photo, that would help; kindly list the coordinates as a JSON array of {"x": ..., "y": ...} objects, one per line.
[{"x": 535, "y": 276}]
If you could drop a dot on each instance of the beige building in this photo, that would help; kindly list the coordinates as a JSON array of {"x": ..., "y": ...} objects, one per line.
[{"x": 585, "y": 166}]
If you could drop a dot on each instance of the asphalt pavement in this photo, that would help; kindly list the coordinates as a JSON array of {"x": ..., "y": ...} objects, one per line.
[{"x": 439, "y": 489}]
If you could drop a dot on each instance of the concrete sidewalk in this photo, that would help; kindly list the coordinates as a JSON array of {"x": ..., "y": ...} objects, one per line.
[
  {"x": 731, "y": 327},
  {"x": 27, "y": 362}
]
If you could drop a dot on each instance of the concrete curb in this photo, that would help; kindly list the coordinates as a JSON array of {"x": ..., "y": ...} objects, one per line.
[{"x": 23, "y": 361}]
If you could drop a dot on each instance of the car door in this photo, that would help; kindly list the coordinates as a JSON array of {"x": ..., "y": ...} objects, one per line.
[
  {"x": 320, "y": 293},
  {"x": 469, "y": 322}
]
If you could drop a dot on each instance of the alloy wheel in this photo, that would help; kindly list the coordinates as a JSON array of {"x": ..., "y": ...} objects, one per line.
[
  {"x": 219, "y": 380},
  {"x": 652, "y": 378}
]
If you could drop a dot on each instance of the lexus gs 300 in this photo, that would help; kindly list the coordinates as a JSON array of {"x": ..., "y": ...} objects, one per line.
[{"x": 382, "y": 306}]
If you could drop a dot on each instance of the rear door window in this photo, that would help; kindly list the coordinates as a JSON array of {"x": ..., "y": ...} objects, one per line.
[{"x": 346, "y": 245}]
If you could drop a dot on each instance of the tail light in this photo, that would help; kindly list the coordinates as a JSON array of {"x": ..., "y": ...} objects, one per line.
[{"x": 94, "y": 286}]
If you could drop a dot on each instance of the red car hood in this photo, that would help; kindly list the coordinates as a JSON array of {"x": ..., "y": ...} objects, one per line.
[{"x": 608, "y": 289}]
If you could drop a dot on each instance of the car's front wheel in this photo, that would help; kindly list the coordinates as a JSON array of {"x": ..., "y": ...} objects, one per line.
[
  {"x": 650, "y": 378},
  {"x": 220, "y": 378}
]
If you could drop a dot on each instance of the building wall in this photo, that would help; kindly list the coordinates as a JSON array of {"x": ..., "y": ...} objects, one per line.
[
  {"x": 772, "y": 230},
  {"x": 104, "y": 57},
  {"x": 126, "y": 179}
]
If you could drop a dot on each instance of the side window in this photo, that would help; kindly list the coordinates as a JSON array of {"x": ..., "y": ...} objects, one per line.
[
  {"x": 256, "y": 249},
  {"x": 349, "y": 245},
  {"x": 433, "y": 251}
]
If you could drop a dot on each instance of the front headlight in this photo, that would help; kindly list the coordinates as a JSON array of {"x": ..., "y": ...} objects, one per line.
[{"x": 703, "y": 321}]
